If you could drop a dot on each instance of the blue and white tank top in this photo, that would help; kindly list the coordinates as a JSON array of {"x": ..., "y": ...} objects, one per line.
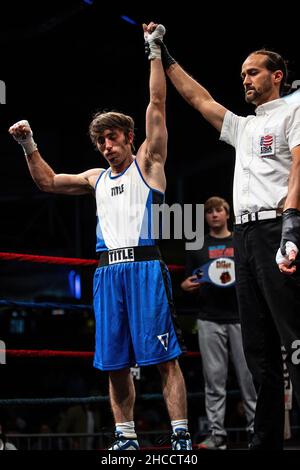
[{"x": 125, "y": 215}]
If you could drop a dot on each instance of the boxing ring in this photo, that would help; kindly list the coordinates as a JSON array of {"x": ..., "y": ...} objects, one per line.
[
  {"x": 45, "y": 355},
  {"x": 65, "y": 355}
]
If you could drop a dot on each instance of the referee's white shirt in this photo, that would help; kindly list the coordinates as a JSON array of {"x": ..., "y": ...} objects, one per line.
[{"x": 263, "y": 146}]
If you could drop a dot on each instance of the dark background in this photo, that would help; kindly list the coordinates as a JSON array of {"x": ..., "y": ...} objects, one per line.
[{"x": 63, "y": 61}]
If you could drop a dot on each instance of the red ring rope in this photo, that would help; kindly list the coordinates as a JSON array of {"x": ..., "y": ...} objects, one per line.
[{"x": 62, "y": 261}]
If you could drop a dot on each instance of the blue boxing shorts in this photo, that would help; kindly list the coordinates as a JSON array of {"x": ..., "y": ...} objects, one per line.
[{"x": 133, "y": 309}]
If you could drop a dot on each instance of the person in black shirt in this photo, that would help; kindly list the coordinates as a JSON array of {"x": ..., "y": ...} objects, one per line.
[{"x": 211, "y": 276}]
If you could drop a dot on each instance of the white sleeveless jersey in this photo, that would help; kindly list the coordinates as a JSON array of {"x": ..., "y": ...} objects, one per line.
[{"x": 124, "y": 209}]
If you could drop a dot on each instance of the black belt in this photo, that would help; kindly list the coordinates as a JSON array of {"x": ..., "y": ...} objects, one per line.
[{"x": 129, "y": 254}]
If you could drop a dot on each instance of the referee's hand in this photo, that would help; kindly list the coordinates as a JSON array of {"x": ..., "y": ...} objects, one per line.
[
  {"x": 285, "y": 261},
  {"x": 290, "y": 240}
]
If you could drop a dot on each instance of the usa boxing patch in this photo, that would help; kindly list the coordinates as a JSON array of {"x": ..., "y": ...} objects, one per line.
[{"x": 267, "y": 145}]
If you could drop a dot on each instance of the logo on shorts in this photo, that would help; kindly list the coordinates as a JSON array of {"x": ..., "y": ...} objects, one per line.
[
  {"x": 164, "y": 339},
  {"x": 121, "y": 255}
]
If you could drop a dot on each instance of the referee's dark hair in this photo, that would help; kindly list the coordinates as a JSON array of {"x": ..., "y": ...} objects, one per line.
[{"x": 274, "y": 62}]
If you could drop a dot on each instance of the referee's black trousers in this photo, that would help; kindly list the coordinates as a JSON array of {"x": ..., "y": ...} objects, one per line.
[{"x": 269, "y": 304}]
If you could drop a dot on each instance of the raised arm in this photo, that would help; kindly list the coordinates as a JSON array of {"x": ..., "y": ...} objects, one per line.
[
  {"x": 153, "y": 152},
  {"x": 194, "y": 93},
  {"x": 43, "y": 175},
  {"x": 156, "y": 130}
]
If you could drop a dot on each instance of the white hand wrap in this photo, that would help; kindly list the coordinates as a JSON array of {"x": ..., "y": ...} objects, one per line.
[
  {"x": 284, "y": 259},
  {"x": 25, "y": 139},
  {"x": 158, "y": 33}
]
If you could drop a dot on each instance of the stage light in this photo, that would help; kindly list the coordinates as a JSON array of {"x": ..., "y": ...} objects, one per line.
[{"x": 129, "y": 20}]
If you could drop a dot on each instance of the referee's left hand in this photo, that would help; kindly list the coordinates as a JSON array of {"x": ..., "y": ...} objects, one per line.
[{"x": 285, "y": 261}]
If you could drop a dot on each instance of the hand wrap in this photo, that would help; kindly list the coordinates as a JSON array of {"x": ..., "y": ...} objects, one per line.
[
  {"x": 151, "y": 47},
  {"x": 25, "y": 138},
  {"x": 166, "y": 58},
  {"x": 290, "y": 229}
]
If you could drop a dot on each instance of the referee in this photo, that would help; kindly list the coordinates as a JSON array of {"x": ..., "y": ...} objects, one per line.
[{"x": 266, "y": 197}]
